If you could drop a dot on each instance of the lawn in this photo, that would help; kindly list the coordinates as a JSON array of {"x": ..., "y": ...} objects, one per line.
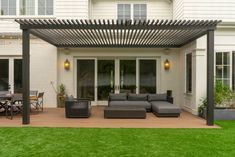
[{"x": 66, "y": 142}]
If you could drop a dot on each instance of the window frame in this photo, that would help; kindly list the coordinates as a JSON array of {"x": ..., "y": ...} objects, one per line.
[
  {"x": 8, "y": 9},
  {"x": 26, "y": 7},
  {"x": 36, "y": 15},
  {"x": 132, "y": 8},
  {"x": 134, "y": 11},
  {"x": 45, "y": 9},
  {"x": 186, "y": 82},
  {"x": 231, "y": 69},
  {"x": 11, "y": 70}
]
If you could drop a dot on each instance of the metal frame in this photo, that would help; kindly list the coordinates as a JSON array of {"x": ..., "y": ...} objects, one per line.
[
  {"x": 118, "y": 33},
  {"x": 26, "y": 75},
  {"x": 210, "y": 77}
]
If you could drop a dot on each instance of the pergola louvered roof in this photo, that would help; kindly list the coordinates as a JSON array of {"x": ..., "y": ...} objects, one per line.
[{"x": 117, "y": 33}]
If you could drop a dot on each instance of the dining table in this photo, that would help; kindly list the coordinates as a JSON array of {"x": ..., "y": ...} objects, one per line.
[{"x": 4, "y": 99}]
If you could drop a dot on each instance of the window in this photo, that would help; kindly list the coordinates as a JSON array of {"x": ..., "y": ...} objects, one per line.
[
  {"x": 189, "y": 73},
  {"x": 140, "y": 12},
  {"x": 27, "y": 7},
  {"x": 8, "y": 7},
  {"x": 8, "y": 73},
  {"x": 132, "y": 11},
  {"x": 45, "y": 7},
  {"x": 222, "y": 67},
  {"x": 124, "y": 11}
]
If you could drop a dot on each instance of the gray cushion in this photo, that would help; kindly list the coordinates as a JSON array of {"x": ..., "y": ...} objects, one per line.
[
  {"x": 137, "y": 97},
  {"x": 142, "y": 104},
  {"x": 165, "y": 107},
  {"x": 157, "y": 97},
  {"x": 118, "y": 97}
]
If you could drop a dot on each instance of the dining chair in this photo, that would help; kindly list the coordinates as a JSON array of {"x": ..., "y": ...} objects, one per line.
[
  {"x": 40, "y": 101},
  {"x": 33, "y": 92},
  {"x": 3, "y": 100},
  {"x": 15, "y": 105},
  {"x": 33, "y": 98}
]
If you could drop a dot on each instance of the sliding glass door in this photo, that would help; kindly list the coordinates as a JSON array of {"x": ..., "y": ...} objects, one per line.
[
  {"x": 97, "y": 78},
  {"x": 147, "y": 76},
  {"x": 4, "y": 74},
  {"x": 86, "y": 79},
  {"x": 127, "y": 76},
  {"x": 106, "y": 78},
  {"x": 17, "y": 75}
]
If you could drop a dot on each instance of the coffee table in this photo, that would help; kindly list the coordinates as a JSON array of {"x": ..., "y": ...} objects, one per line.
[{"x": 125, "y": 112}]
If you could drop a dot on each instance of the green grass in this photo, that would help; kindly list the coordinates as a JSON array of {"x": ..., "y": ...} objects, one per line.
[{"x": 66, "y": 142}]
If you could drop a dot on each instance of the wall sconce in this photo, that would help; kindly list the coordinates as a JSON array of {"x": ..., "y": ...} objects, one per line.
[
  {"x": 167, "y": 64},
  {"x": 66, "y": 64}
]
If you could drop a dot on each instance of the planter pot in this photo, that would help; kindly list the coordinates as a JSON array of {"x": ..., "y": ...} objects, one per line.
[
  {"x": 60, "y": 101},
  {"x": 221, "y": 114},
  {"x": 224, "y": 114}
]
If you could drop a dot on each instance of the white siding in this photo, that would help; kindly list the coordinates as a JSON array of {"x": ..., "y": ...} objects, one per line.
[
  {"x": 205, "y": 9},
  {"x": 159, "y": 9},
  {"x": 225, "y": 39},
  {"x": 71, "y": 9},
  {"x": 107, "y": 9},
  {"x": 8, "y": 26},
  {"x": 104, "y": 9},
  {"x": 43, "y": 65},
  {"x": 178, "y": 9}
]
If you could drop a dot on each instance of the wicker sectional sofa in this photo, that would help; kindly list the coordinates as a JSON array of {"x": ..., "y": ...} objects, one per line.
[{"x": 159, "y": 104}]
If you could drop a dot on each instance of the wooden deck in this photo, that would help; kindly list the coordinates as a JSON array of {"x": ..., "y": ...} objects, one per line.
[{"x": 55, "y": 117}]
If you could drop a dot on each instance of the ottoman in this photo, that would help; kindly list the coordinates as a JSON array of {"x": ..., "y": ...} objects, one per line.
[
  {"x": 125, "y": 112},
  {"x": 165, "y": 109}
]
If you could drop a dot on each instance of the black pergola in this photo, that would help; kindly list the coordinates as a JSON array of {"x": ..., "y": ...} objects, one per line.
[{"x": 118, "y": 33}]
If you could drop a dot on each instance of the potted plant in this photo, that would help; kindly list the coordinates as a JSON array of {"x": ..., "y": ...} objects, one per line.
[
  {"x": 224, "y": 103},
  {"x": 202, "y": 108},
  {"x": 61, "y": 96}
]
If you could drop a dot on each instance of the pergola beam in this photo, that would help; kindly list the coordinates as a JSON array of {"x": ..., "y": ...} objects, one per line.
[
  {"x": 210, "y": 78},
  {"x": 26, "y": 76},
  {"x": 165, "y": 25}
]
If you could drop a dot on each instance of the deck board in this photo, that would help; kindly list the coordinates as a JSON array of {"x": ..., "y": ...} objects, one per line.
[{"x": 55, "y": 117}]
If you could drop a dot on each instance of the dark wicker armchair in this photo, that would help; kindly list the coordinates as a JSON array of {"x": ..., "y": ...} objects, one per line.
[{"x": 77, "y": 108}]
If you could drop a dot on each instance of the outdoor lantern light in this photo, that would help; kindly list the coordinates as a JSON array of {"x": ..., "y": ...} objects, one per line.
[
  {"x": 167, "y": 64},
  {"x": 66, "y": 64}
]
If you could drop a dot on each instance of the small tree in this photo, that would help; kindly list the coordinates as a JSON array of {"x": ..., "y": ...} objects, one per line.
[{"x": 61, "y": 95}]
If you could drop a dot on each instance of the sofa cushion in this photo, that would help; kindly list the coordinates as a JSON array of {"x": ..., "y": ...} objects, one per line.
[
  {"x": 165, "y": 107},
  {"x": 118, "y": 97},
  {"x": 157, "y": 97},
  {"x": 141, "y": 104},
  {"x": 137, "y": 97}
]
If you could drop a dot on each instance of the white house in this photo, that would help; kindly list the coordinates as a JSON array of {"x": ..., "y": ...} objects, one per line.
[{"x": 95, "y": 72}]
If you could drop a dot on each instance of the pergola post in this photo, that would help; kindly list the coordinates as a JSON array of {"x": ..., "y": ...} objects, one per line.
[
  {"x": 210, "y": 77},
  {"x": 26, "y": 76}
]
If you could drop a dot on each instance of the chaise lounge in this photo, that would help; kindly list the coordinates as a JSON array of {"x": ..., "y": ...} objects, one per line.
[{"x": 160, "y": 104}]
